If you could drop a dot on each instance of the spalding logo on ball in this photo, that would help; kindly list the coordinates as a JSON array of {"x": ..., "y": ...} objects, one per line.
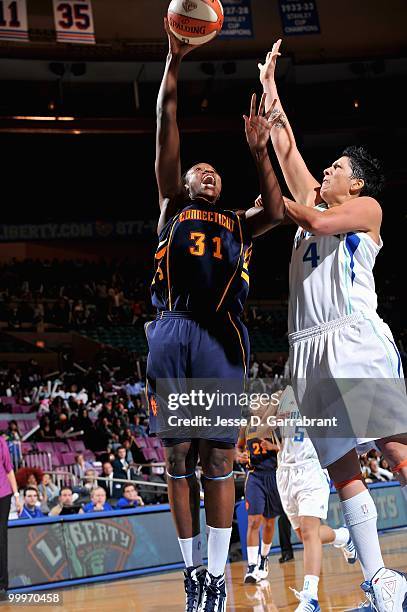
[{"x": 195, "y": 21}]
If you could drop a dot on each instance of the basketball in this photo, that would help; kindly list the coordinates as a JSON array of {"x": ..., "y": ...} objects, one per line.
[{"x": 195, "y": 21}]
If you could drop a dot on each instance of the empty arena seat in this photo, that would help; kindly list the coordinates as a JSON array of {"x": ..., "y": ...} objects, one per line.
[
  {"x": 76, "y": 446},
  {"x": 46, "y": 447},
  {"x": 140, "y": 442},
  {"x": 61, "y": 447},
  {"x": 150, "y": 454},
  {"x": 67, "y": 458},
  {"x": 27, "y": 447}
]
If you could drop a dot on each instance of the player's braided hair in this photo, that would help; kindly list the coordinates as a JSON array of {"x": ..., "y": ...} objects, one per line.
[{"x": 366, "y": 167}]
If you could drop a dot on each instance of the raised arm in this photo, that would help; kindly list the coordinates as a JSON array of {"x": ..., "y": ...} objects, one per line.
[
  {"x": 303, "y": 186},
  {"x": 257, "y": 127},
  {"x": 168, "y": 161}
]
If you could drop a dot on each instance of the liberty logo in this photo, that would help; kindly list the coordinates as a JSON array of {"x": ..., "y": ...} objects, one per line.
[{"x": 189, "y": 6}]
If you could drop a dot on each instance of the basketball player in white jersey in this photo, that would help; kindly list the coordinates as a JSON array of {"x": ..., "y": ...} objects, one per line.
[
  {"x": 336, "y": 335},
  {"x": 304, "y": 491}
]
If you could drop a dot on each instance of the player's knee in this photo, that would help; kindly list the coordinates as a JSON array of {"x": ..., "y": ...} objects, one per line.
[
  {"x": 217, "y": 464},
  {"x": 176, "y": 462},
  {"x": 254, "y": 521},
  {"x": 309, "y": 532}
]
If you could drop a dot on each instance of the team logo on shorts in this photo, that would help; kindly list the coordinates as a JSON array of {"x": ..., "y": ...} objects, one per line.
[
  {"x": 153, "y": 405},
  {"x": 188, "y": 5}
]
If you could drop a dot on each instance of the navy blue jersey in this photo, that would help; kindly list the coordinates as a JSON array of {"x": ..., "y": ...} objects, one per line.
[
  {"x": 260, "y": 459},
  {"x": 201, "y": 262}
]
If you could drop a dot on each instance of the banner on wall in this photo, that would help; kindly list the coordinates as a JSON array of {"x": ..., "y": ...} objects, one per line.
[
  {"x": 76, "y": 230},
  {"x": 299, "y": 18},
  {"x": 87, "y": 546},
  {"x": 74, "y": 22},
  {"x": 13, "y": 20},
  {"x": 238, "y": 19}
]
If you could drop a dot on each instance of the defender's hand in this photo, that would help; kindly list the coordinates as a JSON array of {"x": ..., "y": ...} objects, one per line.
[{"x": 267, "y": 69}]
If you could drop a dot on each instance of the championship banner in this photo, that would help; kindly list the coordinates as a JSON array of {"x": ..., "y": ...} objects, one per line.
[
  {"x": 299, "y": 18},
  {"x": 13, "y": 20},
  {"x": 238, "y": 19},
  {"x": 74, "y": 22}
]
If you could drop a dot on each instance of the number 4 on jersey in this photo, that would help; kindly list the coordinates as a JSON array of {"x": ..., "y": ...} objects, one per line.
[{"x": 311, "y": 254}]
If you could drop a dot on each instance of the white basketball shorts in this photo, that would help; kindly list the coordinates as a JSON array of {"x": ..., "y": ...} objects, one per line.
[
  {"x": 304, "y": 491},
  {"x": 348, "y": 381}
]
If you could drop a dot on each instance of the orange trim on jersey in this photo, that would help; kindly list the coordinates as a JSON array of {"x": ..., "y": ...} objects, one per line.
[
  {"x": 160, "y": 253},
  {"x": 397, "y": 468},
  {"x": 241, "y": 344},
  {"x": 237, "y": 267},
  {"x": 245, "y": 277},
  {"x": 343, "y": 483},
  {"x": 168, "y": 263}
]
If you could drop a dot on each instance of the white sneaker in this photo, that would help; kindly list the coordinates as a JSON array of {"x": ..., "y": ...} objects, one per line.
[
  {"x": 387, "y": 591},
  {"x": 252, "y": 575},
  {"x": 349, "y": 551},
  {"x": 306, "y": 603}
]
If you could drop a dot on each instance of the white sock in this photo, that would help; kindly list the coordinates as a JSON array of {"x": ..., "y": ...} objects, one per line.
[
  {"x": 218, "y": 549},
  {"x": 265, "y": 549},
  {"x": 252, "y": 554},
  {"x": 341, "y": 536},
  {"x": 191, "y": 549},
  {"x": 310, "y": 587},
  {"x": 361, "y": 519}
]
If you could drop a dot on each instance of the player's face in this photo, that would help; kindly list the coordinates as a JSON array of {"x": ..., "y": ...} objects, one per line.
[
  {"x": 337, "y": 180},
  {"x": 203, "y": 181}
]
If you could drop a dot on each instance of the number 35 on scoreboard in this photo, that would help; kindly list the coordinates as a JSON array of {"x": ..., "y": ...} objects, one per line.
[
  {"x": 13, "y": 20},
  {"x": 74, "y": 21}
]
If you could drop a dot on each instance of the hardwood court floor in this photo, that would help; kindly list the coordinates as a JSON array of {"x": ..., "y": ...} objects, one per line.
[{"x": 339, "y": 586}]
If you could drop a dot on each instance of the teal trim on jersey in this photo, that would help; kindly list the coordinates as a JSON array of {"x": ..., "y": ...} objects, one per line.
[
  {"x": 384, "y": 344},
  {"x": 347, "y": 275}
]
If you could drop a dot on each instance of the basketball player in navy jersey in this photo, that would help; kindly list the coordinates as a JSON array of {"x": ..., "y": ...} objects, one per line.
[
  {"x": 262, "y": 498},
  {"x": 199, "y": 288}
]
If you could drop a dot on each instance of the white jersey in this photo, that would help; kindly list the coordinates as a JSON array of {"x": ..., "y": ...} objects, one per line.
[
  {"x": 296, "y": 448},
  {"x": 330, "y": 277}
]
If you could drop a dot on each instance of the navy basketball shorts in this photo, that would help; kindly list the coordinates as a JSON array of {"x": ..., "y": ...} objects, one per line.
[
  {"x": 183, "y": 348},
  {"x": 261, "y": 494}
]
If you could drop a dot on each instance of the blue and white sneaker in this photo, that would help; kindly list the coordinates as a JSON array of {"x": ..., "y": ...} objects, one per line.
[
  {"x": 306, "y": 603},
  {"x": 252, "y": 575},
  {"x": 349, "y": 551},
  {"x": 194, "y": 580},
  {"x": 214, "y": 595},
  {"x": 386, "y": 591}
]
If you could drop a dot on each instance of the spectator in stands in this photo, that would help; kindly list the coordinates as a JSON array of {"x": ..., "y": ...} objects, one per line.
[
  {"x": 376, "y": 474},
  {"x": 30, "y": 508},
  {"x": 46, "y": 431},
  {"x": 90, "y": 482},
  {"x": 65, "y": 504},
  {"x": 121, "y": 467},
  {"x": 29, "y": 476},
  {"x": 103, "y": 434},
  {"x": 129, "y": 456},
  {"x": 136, "y": 427},
  {"x": 13, "y": 432},
  {"x": 134, "y": 388},
  {"x": 48, "y": 492},
  {"x": 98, "y": 501},
  {"x": 113, "y": 489},
  {"x": 81, "y": 465},
  {"x": 130, "y": 499}
]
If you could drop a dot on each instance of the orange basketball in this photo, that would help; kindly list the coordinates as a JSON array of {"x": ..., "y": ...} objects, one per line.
[{"x": 195, "y": 21}]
